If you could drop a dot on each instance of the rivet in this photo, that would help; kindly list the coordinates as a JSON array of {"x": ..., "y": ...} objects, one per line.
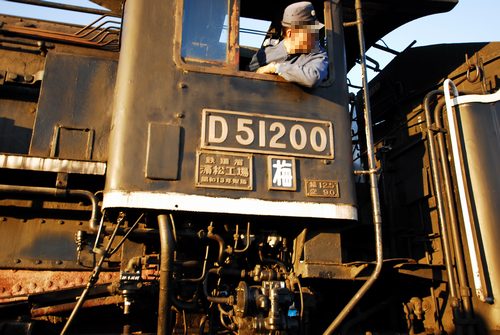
[
  {"x": 38, "y": 261},
  {"x": 42, "y": 221},
  {"x": 59, "y": 262},
  {"x": 17, "y": 288},
  {"x": 17, "y": 261},
  {"x": 179, "y": 115},
  {"x": 183, "y": 85},
  {"x": 61, "y": 222}
]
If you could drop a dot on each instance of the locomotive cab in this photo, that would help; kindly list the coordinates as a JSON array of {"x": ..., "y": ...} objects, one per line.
[
  {"x": 203, "y": 108},
  {"x": 233, "y": 155}
]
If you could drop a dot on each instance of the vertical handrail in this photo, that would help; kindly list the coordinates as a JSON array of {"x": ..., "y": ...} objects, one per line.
[{"x": 372, "y": 172}]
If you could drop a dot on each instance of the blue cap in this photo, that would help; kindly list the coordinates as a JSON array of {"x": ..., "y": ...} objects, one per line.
[{"x": 301, "y": 14}]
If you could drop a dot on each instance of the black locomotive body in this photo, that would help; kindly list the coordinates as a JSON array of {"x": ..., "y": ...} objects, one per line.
[{"x": 150, "y": 183}]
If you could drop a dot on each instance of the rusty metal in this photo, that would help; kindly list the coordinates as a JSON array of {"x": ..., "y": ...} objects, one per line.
[
  {"x": 233, "y": 51},
  {"x": 64, "y": 308},
  {"x": 101, "y": 33},
  {"x": 57, "y": 36},
  {"x": 62, "y": 6},
  {"x": 16, "y": 285}
]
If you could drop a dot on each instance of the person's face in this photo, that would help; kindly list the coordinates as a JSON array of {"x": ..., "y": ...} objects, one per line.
[{"x": 302, "y": 40}]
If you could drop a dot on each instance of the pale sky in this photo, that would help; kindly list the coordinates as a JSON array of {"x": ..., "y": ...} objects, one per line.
[{"x": 469, "y": 21}]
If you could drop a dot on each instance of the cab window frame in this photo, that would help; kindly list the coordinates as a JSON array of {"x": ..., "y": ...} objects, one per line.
[{"x": 230, "y": 67}]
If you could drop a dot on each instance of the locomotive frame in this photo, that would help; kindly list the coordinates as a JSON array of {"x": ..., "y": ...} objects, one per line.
[{"x": 145, "y": 186}]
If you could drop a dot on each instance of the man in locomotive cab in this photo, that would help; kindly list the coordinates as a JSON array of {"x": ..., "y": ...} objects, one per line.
[{"x": 298, "y": 57}]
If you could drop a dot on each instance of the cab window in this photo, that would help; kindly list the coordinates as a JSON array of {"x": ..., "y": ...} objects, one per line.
[
  {"x": 221, "y": 36},
  {"x": 205, "y": 30}
]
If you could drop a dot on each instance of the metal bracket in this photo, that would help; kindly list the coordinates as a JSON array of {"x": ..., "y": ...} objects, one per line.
[
  {"x": 62, "y": 180},
  {"x": 55, "y": 140}
]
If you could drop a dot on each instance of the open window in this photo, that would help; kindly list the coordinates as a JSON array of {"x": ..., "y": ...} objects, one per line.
[{"x": 221, "y": 36}]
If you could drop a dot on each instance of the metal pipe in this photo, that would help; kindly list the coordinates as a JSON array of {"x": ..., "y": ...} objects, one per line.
[
  {"x": 220, "y": 241},
  {"x": 455, "y": 231},
  {"x": 440, "y": 207},
  {"x": 377, "y": 217},
  {"x": 66, "y": 307},
  {"x": 62, "y": 6},
  {"x": 62, "y": 193},
  {"x": 166, "y": 257},
  {"x": 183, "y": 305},
  {"x": 247, "y": 244},
  {"x": 218, "y": 300},
  {"x": 200, "y": 278}
]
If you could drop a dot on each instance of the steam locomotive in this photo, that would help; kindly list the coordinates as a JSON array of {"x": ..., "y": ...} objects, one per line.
[{"x": 149, "y": 183}]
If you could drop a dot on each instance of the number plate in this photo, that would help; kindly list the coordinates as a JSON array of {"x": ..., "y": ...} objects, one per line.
[
  {"x": 322, "y": 188},
  {"x": 261, "y": 133},
  {"x": 224, "y": 170}
]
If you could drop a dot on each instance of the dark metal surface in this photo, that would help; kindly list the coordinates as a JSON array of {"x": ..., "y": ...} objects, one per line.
[
  {"x": 57, "y": 192},
  {"x": 480, "y": 126},
  {"x": 177, "y": 92},
  {"x": 222, "y": 270},
  {"x": 162, "y": 157},
  {"x": 409, "y": 196},
  {"x": 75, "y": 94}
]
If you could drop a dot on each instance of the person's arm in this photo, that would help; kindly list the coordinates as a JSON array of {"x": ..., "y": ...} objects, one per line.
[
  {"x": 309, "y": 72},
  {"x": 266, "y": 56},
  {"x": 257, "y": 58}
]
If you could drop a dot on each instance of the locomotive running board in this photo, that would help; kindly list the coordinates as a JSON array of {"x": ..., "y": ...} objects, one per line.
[
  {"x": 246, "y": 206},
  {"x": 20, "y": 162}
]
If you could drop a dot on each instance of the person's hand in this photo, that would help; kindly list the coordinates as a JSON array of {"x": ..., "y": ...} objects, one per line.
[{"x": 269, "y": 68}]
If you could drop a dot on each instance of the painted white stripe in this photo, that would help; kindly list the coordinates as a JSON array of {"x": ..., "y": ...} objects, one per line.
[
  {"x": 198, "y": 203},
  {"x": 481, "y": 98},
  {"x": 51, "y": 164}
]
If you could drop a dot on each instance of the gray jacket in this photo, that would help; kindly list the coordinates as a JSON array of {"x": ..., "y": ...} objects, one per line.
[{"x": 304, "y": 69}]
